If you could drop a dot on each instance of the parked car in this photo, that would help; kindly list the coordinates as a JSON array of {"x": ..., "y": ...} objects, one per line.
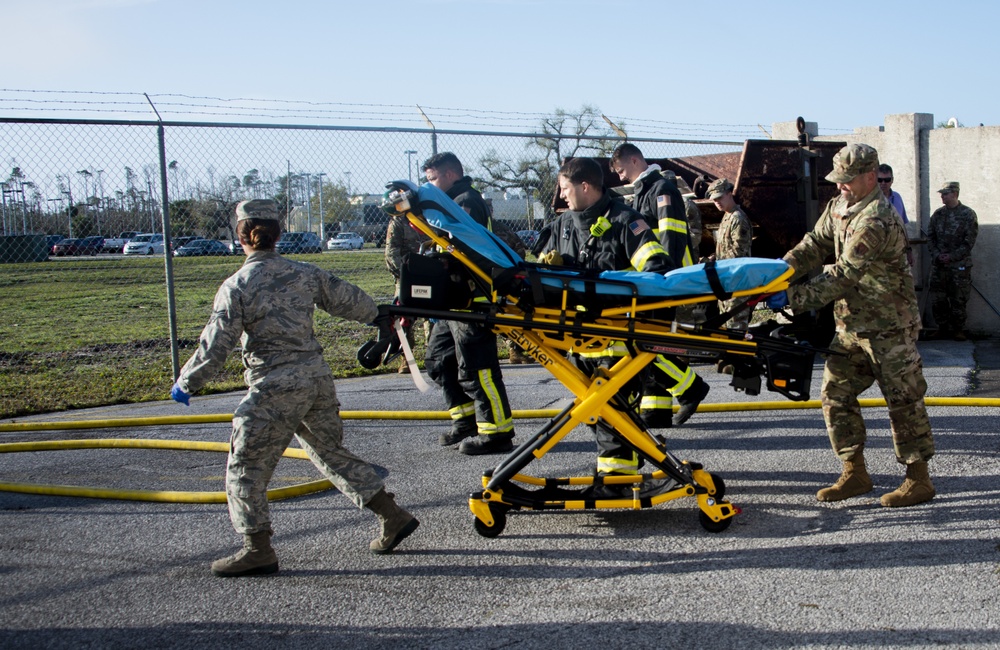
[
  {"x": 202, "y": 247},
  {"x": 299, "y": 242},
  {"x": 68, "y": 246},
  {"x": 184, "y": 240},
  {"x": 52, "y": 241},
  {"x": 79, "y": 246},
  {"x": 529, "y": 237},
  {"x": 345, "y": 240},
  {"x": 236, "y": 248},
  {"x": 145, "y": 244},
  {"x": 116, "y": 244}
]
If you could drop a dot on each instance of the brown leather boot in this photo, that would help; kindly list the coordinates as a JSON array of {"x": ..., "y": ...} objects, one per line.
[
  {"x": 916, "y": 488},
  {"x": 255, "y": 558},
  {"x": 854, "y": 480},
  {"x": 397, "y": 524}
]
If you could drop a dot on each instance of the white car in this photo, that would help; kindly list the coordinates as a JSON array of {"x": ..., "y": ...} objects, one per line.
[
  {"x": 145, "y": 244},
  {"x": 345, "y": 240}
]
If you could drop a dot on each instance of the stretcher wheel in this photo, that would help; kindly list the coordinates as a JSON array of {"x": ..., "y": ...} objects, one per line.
[
  {"x": 720, "y": 487},
  {"x": 713, "y": 526},
  {"x": 499, "y": 523}
]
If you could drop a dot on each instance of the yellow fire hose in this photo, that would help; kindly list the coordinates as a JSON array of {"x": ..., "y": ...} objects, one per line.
[
  {"x": 163, "y": 496},
  {"x": 312, "y": 486}
]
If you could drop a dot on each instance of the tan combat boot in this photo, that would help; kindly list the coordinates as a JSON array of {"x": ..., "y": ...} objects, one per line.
[
  {"x": 255, "y": 558},
  {"x": 916, "y": 488},
  {"x": 853, "y": 481},
  {"x": 397, "y": 524}
]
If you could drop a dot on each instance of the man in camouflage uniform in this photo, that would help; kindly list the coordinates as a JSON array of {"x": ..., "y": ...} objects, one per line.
[
  {"x": 732, "y": 240},
  {"x": 268, "y": 306},
  {"x": 950, "y": 237},
  {"x": 401, "y": 240},
  {"x": 877, "y": 322},
  {"x": 658, "y": 200}
]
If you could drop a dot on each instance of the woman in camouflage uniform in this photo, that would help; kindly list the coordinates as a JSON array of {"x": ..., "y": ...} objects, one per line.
[{"x": 269, "y": 303}]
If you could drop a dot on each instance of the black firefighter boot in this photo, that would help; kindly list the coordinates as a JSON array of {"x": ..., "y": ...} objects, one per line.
[
  {"x": 690, "y": 400},
  {"x": 255, "y": 558},
  {"x": 460, "y": 430},
  {"x": 397, "y": 524}
]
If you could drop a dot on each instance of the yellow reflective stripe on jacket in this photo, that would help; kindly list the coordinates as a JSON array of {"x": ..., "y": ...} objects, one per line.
[
  {"x": 644, "y": 252},
  {"x": 681, "y": 228}
]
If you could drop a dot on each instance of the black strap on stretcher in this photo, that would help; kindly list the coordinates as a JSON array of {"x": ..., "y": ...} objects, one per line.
[{"x": 713, "y": 281}]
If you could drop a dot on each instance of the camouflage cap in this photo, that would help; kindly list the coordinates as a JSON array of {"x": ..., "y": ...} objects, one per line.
[
  {"x": 257, "y": 209},
  {"x": 718, "y": 189},
  {"x": 949, "y": 186},
  {"x": 852, "y": 160}
]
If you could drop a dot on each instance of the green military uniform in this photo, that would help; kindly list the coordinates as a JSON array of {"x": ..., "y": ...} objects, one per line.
[
  {"x": 952, "y": 231},
  {"x": 733, "y": 240},
  {"x": 877, "y": 322}
]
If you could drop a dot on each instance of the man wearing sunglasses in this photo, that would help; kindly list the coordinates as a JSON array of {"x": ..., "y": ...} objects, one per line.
[
  {"x": 885, "y": 184},
  {"x": 951, "y": 235}
]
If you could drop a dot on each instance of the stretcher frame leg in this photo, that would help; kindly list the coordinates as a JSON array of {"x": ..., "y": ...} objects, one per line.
[{"x": 595, "y": 404}]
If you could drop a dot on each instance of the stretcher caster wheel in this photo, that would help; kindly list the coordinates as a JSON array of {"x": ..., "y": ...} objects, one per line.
[
  {"x": 713, "y": 526},
  {"x": 720, "y": 487},
  {"x": 499, "y": 523}
]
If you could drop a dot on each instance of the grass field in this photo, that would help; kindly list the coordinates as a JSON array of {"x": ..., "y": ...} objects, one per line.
[{"x": 92, "y": 332}]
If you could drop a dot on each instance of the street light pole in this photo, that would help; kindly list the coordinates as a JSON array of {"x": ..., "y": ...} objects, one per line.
[
  {"x": 409, "y": 167},
  {"x": 322, "y": 222},
  {"x": 347, "y": 175},
  {"x": 100, "y": 206},
  {"x": 4, "y": 191},
  {"x": 69, "y": 212},
  {"x": 309, "y": 213}
]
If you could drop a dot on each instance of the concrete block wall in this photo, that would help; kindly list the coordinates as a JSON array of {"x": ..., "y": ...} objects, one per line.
[{"x": 923, "y": 158}]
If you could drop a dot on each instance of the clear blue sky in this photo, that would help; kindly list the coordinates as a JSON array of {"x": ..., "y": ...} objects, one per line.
[{"x": 842, "y": 64}]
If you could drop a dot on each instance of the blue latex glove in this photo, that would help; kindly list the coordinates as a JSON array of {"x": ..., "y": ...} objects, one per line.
[
  {"x": 180, "y": 396},
  {"x": 777, "y": 301}
]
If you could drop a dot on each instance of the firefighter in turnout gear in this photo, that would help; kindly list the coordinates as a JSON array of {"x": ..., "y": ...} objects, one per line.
[
  {"x": 600, "y": 232},
  {"x": 660, "y": 203},
  {"x": 462, "y": 357}
]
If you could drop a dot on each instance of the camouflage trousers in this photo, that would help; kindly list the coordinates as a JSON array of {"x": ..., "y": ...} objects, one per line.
[
  {"x": 950, "y": 287},
  {"x": 741, "y": 320},
  {"x": 893, "y": 361},
  {"x": 283, "y": 405}
]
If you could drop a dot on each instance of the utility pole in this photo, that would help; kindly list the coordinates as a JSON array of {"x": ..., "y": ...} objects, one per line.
[{"x": 322, "y": 222}]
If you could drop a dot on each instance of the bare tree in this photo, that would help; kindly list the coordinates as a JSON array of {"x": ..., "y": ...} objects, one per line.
[{"x": 562, "y": 135}]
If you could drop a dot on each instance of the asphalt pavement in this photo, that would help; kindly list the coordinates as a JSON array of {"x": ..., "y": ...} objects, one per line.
[{"x": 789, "y": 573}]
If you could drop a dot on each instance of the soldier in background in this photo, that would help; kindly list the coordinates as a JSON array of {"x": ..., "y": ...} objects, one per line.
[
  {"x": 268, "y": 305},
  {"x": 877, "y": 319},
  {"x": 950, "y": 237},
  {"x": 732, "y": 240}
]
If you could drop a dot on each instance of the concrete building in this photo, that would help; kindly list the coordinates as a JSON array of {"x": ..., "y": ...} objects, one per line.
[{"x": 923, "y": 158}]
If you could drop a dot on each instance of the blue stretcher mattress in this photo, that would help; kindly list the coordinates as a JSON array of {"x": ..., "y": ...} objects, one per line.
[{"x": 740, "y": 274}]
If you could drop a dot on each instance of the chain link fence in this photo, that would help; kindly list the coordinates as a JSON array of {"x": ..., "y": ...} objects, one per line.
[{"x": 94, "y": 301}]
